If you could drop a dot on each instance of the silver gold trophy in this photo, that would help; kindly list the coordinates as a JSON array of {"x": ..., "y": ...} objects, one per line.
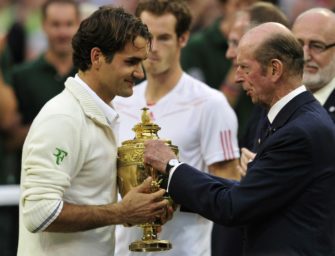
[{"x": 131, "y": 172}]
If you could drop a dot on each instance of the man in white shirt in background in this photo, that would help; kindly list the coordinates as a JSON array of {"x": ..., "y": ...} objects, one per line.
[{"x": 193, "y": 116}]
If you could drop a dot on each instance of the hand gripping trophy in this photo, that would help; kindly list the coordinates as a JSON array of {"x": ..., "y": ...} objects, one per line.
[{"x": 132, "y": 172}]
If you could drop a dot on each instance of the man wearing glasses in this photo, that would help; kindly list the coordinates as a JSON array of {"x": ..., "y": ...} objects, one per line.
[{"x": 315, "y": 30}]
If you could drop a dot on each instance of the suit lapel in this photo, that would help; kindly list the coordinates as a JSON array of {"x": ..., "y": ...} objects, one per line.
[
  {"x": 290, "y": 108},
  {"x": 285, "y": 114}
]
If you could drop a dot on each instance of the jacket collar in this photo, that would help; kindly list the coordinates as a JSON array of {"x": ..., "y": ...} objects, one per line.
[
  {"x": 330, "y": 102},
  {"x": 290, "y": 108},
  {"x": 86, "y": 101}
]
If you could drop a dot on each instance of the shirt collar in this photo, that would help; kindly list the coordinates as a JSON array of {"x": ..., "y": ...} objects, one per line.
[
  {"x": 322, "y": 94},
  {"x": 107, "y": 109},
  {"x": 275, "y": 109}
]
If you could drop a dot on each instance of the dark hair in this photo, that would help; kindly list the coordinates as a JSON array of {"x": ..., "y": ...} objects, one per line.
[
  {"x": 262, "y": 12},
  {"x": 109, "y": 29},
  {"x": 178, "y": 8},
  {"x": 47, "y": 3},
  {"x": 284, "y": 47},
  {"x": 268, "y": 1}
]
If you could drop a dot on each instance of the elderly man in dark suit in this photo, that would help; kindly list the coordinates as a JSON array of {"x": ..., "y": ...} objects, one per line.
[
  {"x": 286, "y": 201},
  {"x": 315, "y": 31}
]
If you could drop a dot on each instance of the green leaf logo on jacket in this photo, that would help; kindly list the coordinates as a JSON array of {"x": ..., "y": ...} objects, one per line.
[{"x": 60, "y": 154}]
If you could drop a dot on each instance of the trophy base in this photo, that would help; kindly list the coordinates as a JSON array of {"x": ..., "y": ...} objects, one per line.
[{"x": 150, "y": 246}]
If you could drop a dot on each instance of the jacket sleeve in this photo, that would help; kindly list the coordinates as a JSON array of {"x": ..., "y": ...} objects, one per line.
[
  {"x": 48, "y": 163},
  {"x": 275, "y": 178}
]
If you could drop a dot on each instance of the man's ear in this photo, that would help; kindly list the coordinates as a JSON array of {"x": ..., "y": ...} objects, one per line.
[
  {"x": 96, "y": 56},
  {"x": 276, "y": 69},
  {"x": 183, "y": 39}
]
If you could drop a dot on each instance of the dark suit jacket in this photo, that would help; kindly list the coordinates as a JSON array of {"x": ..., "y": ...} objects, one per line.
[
  {"x": 286, "y": 202},
  {"x": 330, "y": 105},
  {"x": 250, "y": 137}
]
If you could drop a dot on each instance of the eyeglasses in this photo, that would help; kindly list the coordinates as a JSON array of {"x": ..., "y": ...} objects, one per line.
[{"x": 317, "y": 47}]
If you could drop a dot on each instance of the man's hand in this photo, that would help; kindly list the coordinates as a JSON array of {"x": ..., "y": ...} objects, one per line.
[
  {"x": 157, "y": 154},
  {"x": 137, "y": 207},
  {"x": 246, "y": 157},
  {"x": 167, "y": 215},
  {"x": 140, "y": 206}
]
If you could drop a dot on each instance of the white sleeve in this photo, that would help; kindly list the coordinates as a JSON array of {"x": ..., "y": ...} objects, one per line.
[
  {"x": 38, "y": 215},
  {"x": 170, "y": 175},
  {"x": 218, "y": 131},
  {"x": 50, "y": 155}
]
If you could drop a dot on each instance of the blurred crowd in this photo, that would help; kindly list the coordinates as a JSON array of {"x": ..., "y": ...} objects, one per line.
[
  {"x": 21, "y": 28},
  {"x": 26, "y": 36},
  {"x": 24, "y": 17}
]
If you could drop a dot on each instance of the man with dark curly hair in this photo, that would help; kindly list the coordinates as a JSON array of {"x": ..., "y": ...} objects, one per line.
[{"x": 68, "y": 179}]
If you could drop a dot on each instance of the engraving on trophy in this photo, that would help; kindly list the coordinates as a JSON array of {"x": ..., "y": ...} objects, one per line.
[{"x": 132, "y": 172}]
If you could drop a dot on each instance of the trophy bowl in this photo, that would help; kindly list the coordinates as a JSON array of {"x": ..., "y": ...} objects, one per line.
[{"x": 131, "y": 172}]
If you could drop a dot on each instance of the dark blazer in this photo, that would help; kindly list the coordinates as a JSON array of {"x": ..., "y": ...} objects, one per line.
[
  {"x": 250, "y": 137},
  {"x": 330, "y": 105},
  {"x": 286, "y": 202}
]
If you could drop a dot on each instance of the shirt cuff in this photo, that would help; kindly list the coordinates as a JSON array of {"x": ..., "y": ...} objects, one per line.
[
  {"x": 38, "y": 215},
  {"x": 170, "y": 175}
]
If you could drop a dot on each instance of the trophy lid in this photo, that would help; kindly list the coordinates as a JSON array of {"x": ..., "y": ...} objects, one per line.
[
  {"x": 131, "y": 151},
  {"x": 146, "y": 129}
]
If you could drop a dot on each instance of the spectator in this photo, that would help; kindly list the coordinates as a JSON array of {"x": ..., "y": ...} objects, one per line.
[
  {"x": 38, "y": 81},
  {"x": 204, "y": 56},
  {"x": 315, "y": 30}
]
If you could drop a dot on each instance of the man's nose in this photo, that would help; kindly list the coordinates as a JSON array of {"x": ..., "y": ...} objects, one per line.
[
  {"x": 231, "y": 52},
  {"x": 239, "y": 75},
  {"x": 138, "y": 72},
  {"x": 154, "y": 45},
  {"x": 307, "y": 52}
]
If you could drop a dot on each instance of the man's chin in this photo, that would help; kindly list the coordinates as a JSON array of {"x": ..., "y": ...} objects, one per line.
[
  {"x": 128, "y": 94},
  {"x": 312, "y": 82}
]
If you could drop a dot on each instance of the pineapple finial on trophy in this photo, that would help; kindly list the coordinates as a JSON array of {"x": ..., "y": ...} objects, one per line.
[
  {"x": 146, "y": 129},
  {"x": 146, "y": 119}
]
